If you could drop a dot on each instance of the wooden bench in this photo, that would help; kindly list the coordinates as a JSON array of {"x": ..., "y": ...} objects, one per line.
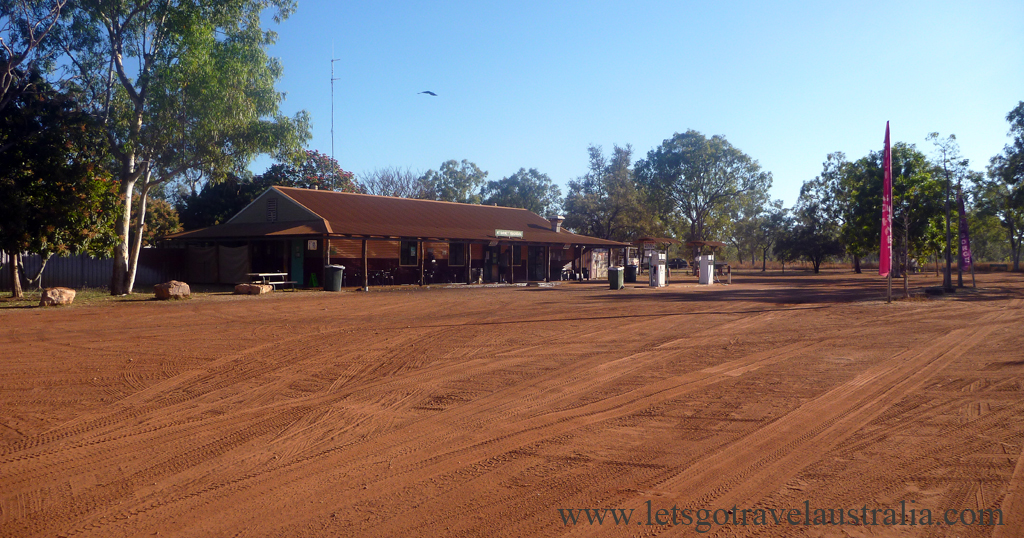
[
  {"x": 999, "y": 266},
  {"x": 276, "y": 283}
]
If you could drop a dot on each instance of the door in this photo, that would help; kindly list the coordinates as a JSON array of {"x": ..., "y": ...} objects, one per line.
[
  {"x": 298, "y": 256},
  {"x": 535, "y": 263}
]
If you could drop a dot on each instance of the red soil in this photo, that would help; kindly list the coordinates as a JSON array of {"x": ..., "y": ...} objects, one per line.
[{"x": 453, "y": 412}]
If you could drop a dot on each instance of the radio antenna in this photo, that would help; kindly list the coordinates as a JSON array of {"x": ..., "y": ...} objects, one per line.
[{"x": 334, "y": 184}]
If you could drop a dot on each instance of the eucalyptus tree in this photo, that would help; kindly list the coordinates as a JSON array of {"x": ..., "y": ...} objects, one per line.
[
  {"x": 606, "y": 201},
  {"x": 180, "y": 86},
  {"x": 25, "y": 26},
  {"x": 454, "y": 181},
  {"x": 1001, "y": 194},
  {"x": 952, "y": 166},
  {"x": 528, "y": 189},
  {"x": 699, "y": 179}
]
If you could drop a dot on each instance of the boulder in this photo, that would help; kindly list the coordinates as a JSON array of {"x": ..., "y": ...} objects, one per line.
[
  {"x": 253, "y": 289},
  {"x": 172, "y": 290},
  {"x": 57, "y": 296}
]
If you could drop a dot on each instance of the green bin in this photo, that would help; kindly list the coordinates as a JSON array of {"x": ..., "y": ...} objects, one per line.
[
  {"x": 630, "y": 273},
  {"x": 615, "y": 278},
  {"x": 334, "y": 277}
]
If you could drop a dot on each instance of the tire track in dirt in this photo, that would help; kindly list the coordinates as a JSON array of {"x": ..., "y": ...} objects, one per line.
[
  {"x": 1013, "y": 502},
  {"x": 55, "y": 514},
  {"x": 557, "y": 423},
  {"x": 569, "y": 425},
  {"x": 799, "y": 438}
]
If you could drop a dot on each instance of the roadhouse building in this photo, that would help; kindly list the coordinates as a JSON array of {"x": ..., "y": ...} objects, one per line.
[{"x": 383, "y": 240}]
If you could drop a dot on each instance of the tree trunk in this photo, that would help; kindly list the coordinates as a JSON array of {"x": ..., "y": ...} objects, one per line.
[
  {"x": 119, "y": 278},
  {"x": 38, "y": 279},
  {"x": 764, "y": 264},
  {"x": 1015, "y": 251},
  {"x": 906, "y": 255},
  {"x": 856, "y": 264},
  {"x": 140, "y": 224},
  {"x": 15, "y": 259}
]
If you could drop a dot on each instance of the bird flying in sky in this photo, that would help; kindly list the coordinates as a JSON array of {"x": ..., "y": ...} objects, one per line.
[{"x": 429, "y": 93}]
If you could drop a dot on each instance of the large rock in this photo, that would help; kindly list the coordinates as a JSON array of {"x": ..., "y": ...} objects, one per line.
[
  {"x": 172, "y": 290},
  {"x": 57, "y": 296},
  {"x": 253, "y": 289}
]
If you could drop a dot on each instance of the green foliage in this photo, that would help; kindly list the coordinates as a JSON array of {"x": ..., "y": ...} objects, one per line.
[
  {"x": 607, "y": 203},
  {"x": 1011, "y": 163},
  {"x": 181, "y": 86},
  {"x": 700, "y": 180},
  {"x": 28, "y": 43},
  {"x": 1000, "y": 194},
  {"x": 528, "y": 189},
  {"x": 849, "y": 194},
  {"x": 161, "y": 220},
  {"x": 813, "y": 235},
  {"x": 455, "y": 182},
  {"x": 316, "y": 171},
  {"x": 55, "y": 194}
]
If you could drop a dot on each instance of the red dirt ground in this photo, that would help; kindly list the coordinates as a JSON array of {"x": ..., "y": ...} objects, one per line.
[{"x": 455, "y": 412}]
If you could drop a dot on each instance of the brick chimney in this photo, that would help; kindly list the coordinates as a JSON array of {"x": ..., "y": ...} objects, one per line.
[{"x": 556, "y": 223}]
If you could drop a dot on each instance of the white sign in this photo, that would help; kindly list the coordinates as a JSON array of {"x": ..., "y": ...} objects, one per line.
[
  {"x": 511, "y": 234},
  {"x": 311, "y": 244}
]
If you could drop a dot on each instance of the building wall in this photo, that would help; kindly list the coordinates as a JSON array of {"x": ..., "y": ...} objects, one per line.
[{"x": 383, "y": 257}]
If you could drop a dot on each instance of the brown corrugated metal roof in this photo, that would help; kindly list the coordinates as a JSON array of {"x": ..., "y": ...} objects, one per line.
[{"x": 363, "y": 215}]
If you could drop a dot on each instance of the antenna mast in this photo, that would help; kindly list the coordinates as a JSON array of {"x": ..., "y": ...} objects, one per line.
[{"x": 334, "y": 184}]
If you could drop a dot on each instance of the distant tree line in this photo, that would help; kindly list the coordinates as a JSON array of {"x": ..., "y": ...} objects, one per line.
[{"x": 119, "y": 126}]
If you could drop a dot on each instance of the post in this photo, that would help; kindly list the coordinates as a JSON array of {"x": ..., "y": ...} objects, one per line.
[
  {"x": 366, "y": 270},
  {"x": 511, "y": 265},
  {"x": 469, "y": 263},
  {"x": 327, "y": 259},
  {"x": 419, "y": 258},
  {"x": 547, "y": 263}
]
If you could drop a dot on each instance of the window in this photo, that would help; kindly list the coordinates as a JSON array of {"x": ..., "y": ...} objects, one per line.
[
  {"x": 407, "y": 255},
  {"x": 517, "y": 254},
  {"x": 456, "y": 254}
]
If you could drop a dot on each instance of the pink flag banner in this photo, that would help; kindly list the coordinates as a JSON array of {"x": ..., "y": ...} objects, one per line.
[
  {"x": 965, "y": 235},
  {"x": 885, "y": 250}
]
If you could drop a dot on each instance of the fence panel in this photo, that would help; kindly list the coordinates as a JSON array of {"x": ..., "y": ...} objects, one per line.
[{"x": 156, "y": 265}]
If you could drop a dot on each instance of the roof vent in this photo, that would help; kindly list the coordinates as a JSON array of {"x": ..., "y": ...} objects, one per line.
[
  {"x": 272, "y": 210},
  {"x": 556, "y": 223}
]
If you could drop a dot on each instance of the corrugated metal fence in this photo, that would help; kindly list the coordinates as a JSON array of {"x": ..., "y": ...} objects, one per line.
[{"x": 156, "y": 265}]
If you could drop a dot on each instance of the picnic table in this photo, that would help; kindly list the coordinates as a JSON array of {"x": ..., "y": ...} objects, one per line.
[{"x": 272, "y": 279}]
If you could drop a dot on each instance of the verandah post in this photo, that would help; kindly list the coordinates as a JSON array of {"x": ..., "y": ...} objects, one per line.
[{"x": 366, "y": 270}]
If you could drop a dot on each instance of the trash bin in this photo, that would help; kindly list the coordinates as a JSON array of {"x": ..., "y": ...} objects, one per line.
[
  {"x": 630, "y": 273},
  {"x": 615, "y": 275},
  {"x": 335, "y": 274}
]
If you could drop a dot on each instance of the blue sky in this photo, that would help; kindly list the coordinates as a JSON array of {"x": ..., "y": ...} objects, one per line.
[{"x": 532, "y": 84}]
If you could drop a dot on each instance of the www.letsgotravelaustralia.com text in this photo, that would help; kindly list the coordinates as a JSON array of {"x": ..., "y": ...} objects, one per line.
[{"x": 704, "y": 519}]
